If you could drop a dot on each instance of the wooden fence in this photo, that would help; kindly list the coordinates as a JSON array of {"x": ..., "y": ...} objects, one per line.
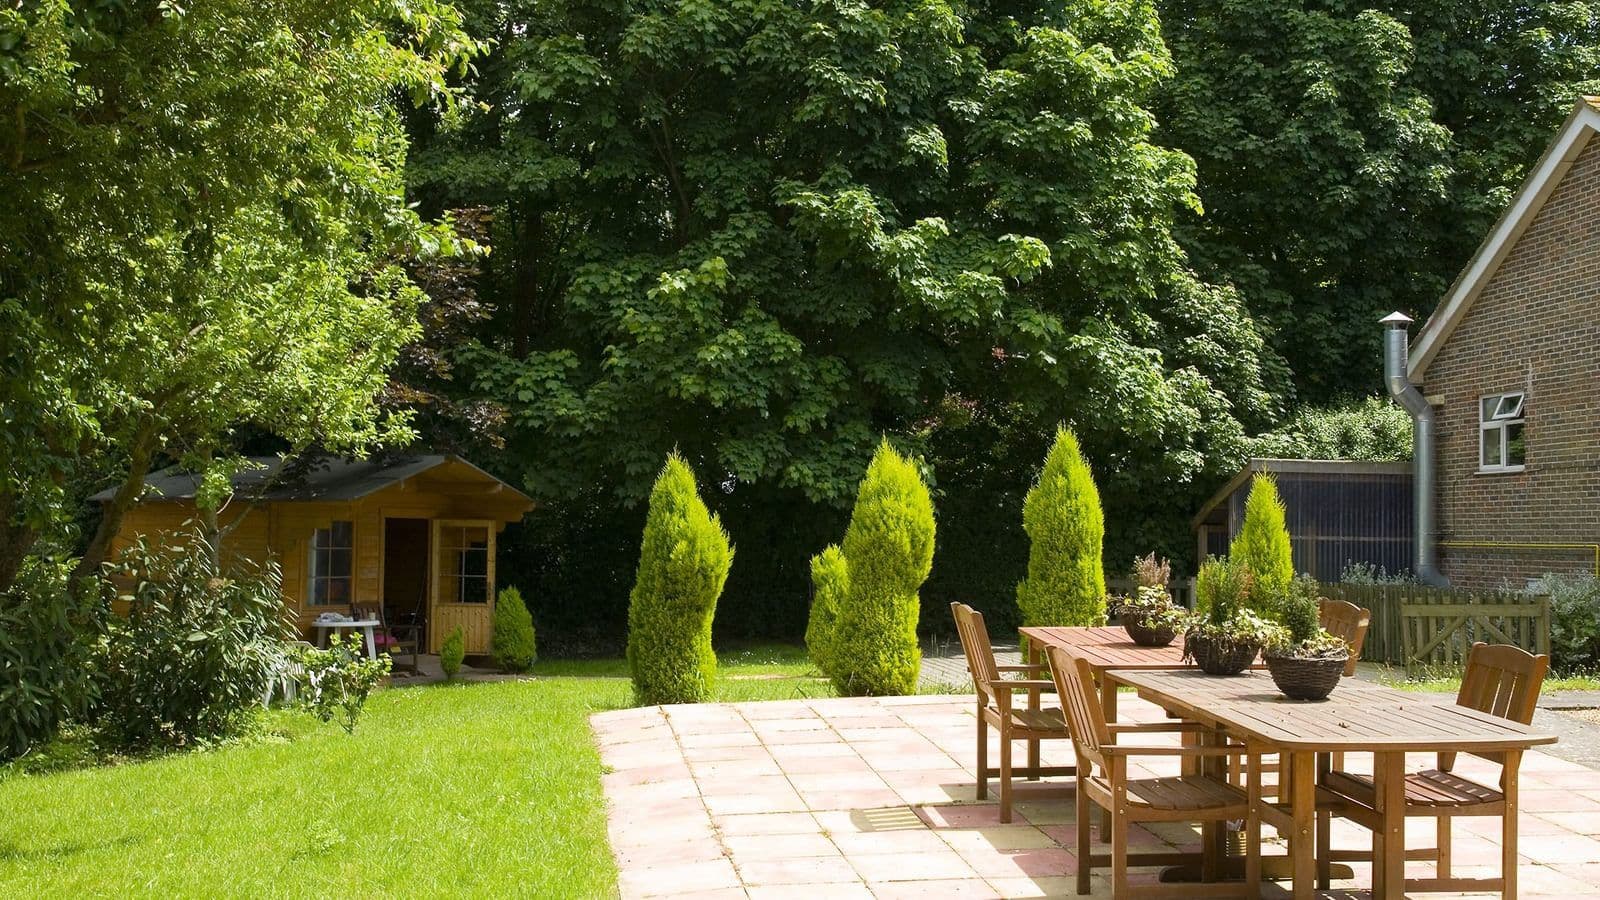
[{"x": 1422, "y": 627}]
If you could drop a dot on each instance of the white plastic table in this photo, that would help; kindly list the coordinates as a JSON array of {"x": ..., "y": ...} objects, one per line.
[{"x": 366, "y": 626}]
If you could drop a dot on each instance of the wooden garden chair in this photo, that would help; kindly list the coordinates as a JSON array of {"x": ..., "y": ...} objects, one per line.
[
  {"x": 1103, "y": 780},
  {"x": 997, "y": 709},
  {"x": 1346, "y": 620},
  {"x": 392, "y": 639},
  {"x": 1501, "y": 680}
]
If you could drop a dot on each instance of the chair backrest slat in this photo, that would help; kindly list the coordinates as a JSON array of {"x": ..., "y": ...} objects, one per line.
[
  {"x": 1085, "y": 719},
  {"x": 974, "y": 635},
  {"x": 1346, "y": 620},
  {"x": 1503, "y": 681}
]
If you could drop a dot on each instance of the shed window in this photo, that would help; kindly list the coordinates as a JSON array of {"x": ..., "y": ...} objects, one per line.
[
  {"x": 1500, "y": 444},
  {"x": 331, "y": 564},
  {"x": 464, "y": 564}
]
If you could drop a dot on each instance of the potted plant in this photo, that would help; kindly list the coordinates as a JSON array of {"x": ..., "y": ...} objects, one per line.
[
  {"x": 1224, "y": 635},
  {"x": 1306, "y": 661},
  {"x": 1149, "y": 616}
]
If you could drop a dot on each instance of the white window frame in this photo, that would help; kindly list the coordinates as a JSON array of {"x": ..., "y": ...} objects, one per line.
[
  {"x": 313, "y": 575},
  {"x": 1498, "y": 421}
]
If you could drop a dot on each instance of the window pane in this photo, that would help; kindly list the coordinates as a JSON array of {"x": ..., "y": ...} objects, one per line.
[
  {"x": 319, "y": 591},
  {"x": 324, "y": 538},
  {"x": 1488, "y": 408},
  {"x": 339, "y": 563},
  {"x": 474, "y": 590},
  {"x": 338, "y": 590},
  {"x": 1514, "y": 444},
  {"x": 1491, "y": 446},
  {"x": 1510, "y": 407},
  {"x": 342, "y": 533}
]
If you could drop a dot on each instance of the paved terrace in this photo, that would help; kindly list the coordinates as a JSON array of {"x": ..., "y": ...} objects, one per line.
[{"x": 873, "y": 797}]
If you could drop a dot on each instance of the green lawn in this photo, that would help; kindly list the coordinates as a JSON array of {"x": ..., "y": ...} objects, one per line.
[
  {"x": 452, "y": 790},
  {"x": 1449, "y": 683}
]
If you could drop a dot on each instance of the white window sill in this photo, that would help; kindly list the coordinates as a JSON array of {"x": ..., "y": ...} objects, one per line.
[{"x": 1501, "y": 470}]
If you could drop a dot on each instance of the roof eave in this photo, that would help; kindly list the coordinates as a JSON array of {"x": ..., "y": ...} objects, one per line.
[{"x": 1558, "y": 157}]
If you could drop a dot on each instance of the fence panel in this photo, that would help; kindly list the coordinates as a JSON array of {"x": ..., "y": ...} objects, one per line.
[{"x": 1417, "y": 626}]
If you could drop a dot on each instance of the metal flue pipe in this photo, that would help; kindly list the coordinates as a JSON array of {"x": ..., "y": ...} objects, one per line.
[{"x": 1396, "y": 360}]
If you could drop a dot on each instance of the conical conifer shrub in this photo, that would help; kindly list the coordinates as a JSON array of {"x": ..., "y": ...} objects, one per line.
[
  {"x": 1066, "y": 583},
  {"x": 683, "y": 564}
]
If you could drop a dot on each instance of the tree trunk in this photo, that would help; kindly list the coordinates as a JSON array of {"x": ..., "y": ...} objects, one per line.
[
  {"x": 143, "y": 453},
  {"x": 16, "y": 539}
]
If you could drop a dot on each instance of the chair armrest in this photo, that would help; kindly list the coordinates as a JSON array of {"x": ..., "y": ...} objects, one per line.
[
  {"x": 1146, "y": 727},
  {"x": 1135, "y": 750},
  {"x": 1030, "y": 684}
]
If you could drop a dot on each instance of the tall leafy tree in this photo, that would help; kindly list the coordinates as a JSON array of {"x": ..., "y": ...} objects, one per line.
[
  {"x": 202, "y": 202},
  {"x": 1325, "y": 178},
  {"x": 766, "y": 231}
]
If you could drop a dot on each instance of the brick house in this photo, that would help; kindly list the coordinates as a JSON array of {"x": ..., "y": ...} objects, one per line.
[{"x": 1510, "y": 364}]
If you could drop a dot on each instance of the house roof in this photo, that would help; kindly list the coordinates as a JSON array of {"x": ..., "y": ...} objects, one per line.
[
  {"x": 324, "y": 479},
  {"x": 1573, "y": 137},
  {"x": 1298, "y": 467}
]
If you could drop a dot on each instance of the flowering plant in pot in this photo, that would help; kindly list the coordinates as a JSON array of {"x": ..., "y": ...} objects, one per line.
[
  {"x": 1224, "y": 635},
  {"x": 1306, "y": 661},
  {"x": 1149, "y": 616}
]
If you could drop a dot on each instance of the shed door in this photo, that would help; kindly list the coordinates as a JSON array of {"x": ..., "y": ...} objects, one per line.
[{"x": 463, "y": 582}]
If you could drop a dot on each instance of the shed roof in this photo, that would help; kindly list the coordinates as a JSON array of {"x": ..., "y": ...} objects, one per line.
[
  {"x": 1297, "y": 467},
  {"x": 324, "y": 479}
]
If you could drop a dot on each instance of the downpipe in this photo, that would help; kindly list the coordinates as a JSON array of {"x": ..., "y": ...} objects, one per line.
[{"x": 1396, "y": 359}]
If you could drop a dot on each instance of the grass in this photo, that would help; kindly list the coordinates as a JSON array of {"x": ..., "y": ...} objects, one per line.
[
  {"x": 1450, "y": 682},
  {"x": 487, "y": 789}
]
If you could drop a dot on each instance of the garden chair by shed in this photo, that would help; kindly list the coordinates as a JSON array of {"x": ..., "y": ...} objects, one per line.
[
  {"x": 393, "y": 639},
  {"x": 997, "y": 707},
  {"x": 286, "y": 675},
  {"x": 1501, "y": 680},
  {"x": 1103, "y": 780}
]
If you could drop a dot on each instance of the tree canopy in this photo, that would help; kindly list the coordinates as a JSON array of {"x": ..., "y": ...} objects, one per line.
[
  {"x": 203, "y": 205},
  {"x": 764, "y": 232}
]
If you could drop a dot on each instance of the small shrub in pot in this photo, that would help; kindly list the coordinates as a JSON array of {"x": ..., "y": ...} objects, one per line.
[
  {"x": 1150, "y": 617},
  {"x": 1306, "y": 661},
  {"x": 1224, "y": 635}
]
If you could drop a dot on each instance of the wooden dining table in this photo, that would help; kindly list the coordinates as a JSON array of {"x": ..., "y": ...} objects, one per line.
[{"x": 1358, "y": 717}]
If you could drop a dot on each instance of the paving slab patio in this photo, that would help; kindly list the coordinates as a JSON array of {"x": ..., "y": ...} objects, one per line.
[{"x": 873, "y": 797}]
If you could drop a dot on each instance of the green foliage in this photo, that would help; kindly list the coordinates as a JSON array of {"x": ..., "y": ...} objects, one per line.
[
  {"x": 335, "y": 682},
  {"x": 1367, "y": 573},
  {"x": 197, "y": 651},
  {"x": 203, "y": 211},
  {"x": 1066, "y": 583},
  {"x": 683, "y": 564},
  {"x": 47, "y": 635},
  {"x": 1299, "y": 611},
  {"x": 1222, "y": 590},
  {"x": 1153, "y": 607},
  {"x": 766, "y": 232},
  {"x": 1574, "y": 621},
  {"x": 452, "y": 652},
  {"x": 1352, "y": 156},
  {"x": 1262, "y": 545},
  {"x": 830, "y": 583},
  {"x": 1373, "y": 429},
  {"x": 888, "y": 552},
  {"x": 513, "y": 648}
]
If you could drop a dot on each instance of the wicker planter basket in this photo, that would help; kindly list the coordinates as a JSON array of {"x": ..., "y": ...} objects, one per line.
[
  {"x": 1306, "y": 679},
  {"x": 1221, "y": 659},
  {"x": 1145, "y": 636}
]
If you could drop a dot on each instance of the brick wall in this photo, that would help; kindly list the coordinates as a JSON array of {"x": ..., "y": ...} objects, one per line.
[{"x": 1534, "y": 328}]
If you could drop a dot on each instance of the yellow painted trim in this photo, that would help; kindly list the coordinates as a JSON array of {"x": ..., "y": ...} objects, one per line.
[{"x": 1513, "y": 545}]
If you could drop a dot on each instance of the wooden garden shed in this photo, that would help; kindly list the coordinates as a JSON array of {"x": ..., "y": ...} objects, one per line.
[
  {"x": 413, "y": 534},
  {"x": 1338, "y": 511}
]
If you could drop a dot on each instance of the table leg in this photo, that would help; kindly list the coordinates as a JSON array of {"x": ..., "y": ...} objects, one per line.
[
  {"x": 372, "y": 643},
  {"x": 1035, "y": 657},
  {"x": 1389, "y": 842},
  {"x": 1508, "y": 826},
  {"x": 1324, "y": 830},
  {"x": 1300, "y": 767}
]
